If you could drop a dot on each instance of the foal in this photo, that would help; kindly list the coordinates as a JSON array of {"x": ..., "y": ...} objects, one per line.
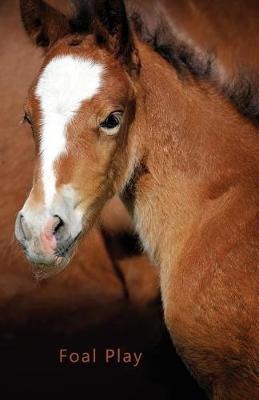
[{"x": 109, "y": 115}]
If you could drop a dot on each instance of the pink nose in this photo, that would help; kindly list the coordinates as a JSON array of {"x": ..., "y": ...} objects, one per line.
[{"x": 49, "y": 234}]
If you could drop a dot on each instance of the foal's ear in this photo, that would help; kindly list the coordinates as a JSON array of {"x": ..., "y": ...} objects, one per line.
[
  {"x": 114, "y": 30},
  {"x": 43, "y": 23},
  {"x": 107, "y": 19}
]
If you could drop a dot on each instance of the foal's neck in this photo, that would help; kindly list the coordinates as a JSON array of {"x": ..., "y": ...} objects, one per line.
[{"x": 187, "y": 140}]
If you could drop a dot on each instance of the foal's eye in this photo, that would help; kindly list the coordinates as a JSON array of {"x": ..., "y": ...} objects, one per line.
[{"x": 112, "y": 123}]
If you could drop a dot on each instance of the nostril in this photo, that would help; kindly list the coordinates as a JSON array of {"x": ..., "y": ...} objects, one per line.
[
  {"x": 23, "y": 228},
  {"x": 58, "y": 227},
  {"x": 20, "y": 223}
]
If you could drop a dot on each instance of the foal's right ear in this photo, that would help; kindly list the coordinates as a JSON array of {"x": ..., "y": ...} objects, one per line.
[{"x": 43, "y": 23}]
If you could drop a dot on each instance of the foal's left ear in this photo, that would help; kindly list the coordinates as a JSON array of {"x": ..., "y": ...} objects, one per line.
[
  {"x": 107, "y": 19},
  {"x": 43, "y": 23},
  {"x": 114, "y": 29}
]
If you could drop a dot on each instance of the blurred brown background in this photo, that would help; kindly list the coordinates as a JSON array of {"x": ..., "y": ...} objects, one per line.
[{"x": 108, "y": 296}]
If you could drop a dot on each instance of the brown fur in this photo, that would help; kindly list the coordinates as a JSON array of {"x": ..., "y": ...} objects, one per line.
[
  {"x": 209, "y": 277},
  {"x": 186, "y": 163}
]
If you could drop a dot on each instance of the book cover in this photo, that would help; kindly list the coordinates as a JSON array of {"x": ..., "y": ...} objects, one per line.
[{"x": 129, "y": 199}]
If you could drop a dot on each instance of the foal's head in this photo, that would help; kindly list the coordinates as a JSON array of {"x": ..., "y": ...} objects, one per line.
[{"x": 80, "y": 109}]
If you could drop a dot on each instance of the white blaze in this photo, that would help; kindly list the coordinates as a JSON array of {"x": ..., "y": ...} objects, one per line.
[{"x": 64, "y": 84}]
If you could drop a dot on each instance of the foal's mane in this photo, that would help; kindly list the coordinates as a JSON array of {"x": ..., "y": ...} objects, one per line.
[{"x": 188, "y": 60}]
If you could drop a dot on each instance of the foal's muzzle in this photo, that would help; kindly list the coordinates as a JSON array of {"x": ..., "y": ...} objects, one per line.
[{"x": 47, "y": 240}]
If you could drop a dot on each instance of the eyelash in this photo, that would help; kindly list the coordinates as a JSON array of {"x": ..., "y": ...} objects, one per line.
[{"x": 26, "y": 119}]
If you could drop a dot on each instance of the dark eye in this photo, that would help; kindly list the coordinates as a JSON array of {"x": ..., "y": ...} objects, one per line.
[{"x": 112, "y": 123}]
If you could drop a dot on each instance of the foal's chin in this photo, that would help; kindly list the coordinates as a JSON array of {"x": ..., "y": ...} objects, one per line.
[
  {"x": 43, "y": 269},
  {"x": 46, "y": 262}
]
